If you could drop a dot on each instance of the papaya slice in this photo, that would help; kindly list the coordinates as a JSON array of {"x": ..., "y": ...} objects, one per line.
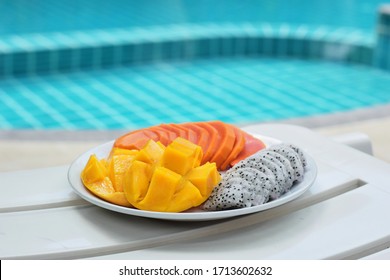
[
  {"x": 238, "y": 146},
  {"x": 221, "y": 143},
  {"x": 202, "y": 134},
  {"x": 252, "y": 145},
  {"x": 226, "y": 139},
  {"x": 135, "y": 139},
  {"x": 213, "y": 140},
  {"x": 189, "y": 134},
  {"x": 176, "y": 130},
  {"x": 165, "y": 136}
]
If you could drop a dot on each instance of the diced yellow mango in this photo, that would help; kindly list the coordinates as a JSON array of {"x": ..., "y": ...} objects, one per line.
[
  {"x": 181, "y": 156},
  {"x": 184, "y": 144},
  {"x": 177, "y": 161},
  {"x": 162, "y": 186},
  {"x": 105, "y": 190},
  {"x": 104, "y": 162},
  {"x": 161, "y": 145},
  {"x": 120, "y": 151},
  {"x": 95, "y": 179},
  {"x": 187, "y": 197},
  {"x": 151, "y": 152},
  {"x": 155, "y": 178},
  {"x": 204, "y": 177},
  {"x": 94, "y": 171},
  {"x": 136, "y": 181},
  {"x": 103, "y": 186},
  {"x": 117, "y": 166},
  {"x": 117, "y": 198}
]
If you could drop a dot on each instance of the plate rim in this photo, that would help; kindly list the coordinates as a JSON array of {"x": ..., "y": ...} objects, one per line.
[{"x": 76, "y": 184}]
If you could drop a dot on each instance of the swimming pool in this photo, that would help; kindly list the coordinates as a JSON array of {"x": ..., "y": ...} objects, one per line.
[{"x": 238, "y": 65}]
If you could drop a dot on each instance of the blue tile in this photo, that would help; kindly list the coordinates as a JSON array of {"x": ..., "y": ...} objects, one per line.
[
  {"x": 20, "y": 62},
  {"x": 87, "y": 57},
  {"x": 281, "y": 47},
  {"x": 315, "y": 49},
  {"x": 128, "y": 53},
  {"x": 294, "y": 47},
  {"x": 43, "y": 61},
  {"x": 203, "y": 46},
  {"x": 108, "y": 56},
  {"x": 65, "y": 60},
  {"x": 227, "y": 46},
  {"x": 267, "y": 46},
  {"x": 4, "y": 65},
  {"x": 251, "y": 46}
]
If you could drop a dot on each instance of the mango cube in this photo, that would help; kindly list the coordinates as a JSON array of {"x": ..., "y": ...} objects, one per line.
[
  {"x": 94, "y": 171},
  {"x": 187, "y": 197},
  {"x": 151, "y": 152},
  {"x": 181, "y": 156},
  {"x": 95, "y": 179},
  {"x": 163, "y": 185},
  {"x": 204, "y": 177},
  {"x": 154, "y": 178},
  {"x": 117, "y": 166},
  {"x": 136, "y": 181}
]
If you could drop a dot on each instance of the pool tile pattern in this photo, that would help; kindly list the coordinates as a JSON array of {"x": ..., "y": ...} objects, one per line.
[
  {"x": 36, "y": 54},
  {"x": 143, "y": 66},
  {"x": 235, "y": 90}
]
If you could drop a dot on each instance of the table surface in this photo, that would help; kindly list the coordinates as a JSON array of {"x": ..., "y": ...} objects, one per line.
[{"x": 344, "y": 215}]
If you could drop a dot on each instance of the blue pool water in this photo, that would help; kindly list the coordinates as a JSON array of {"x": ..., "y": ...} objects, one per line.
[
  {"x": 232, "y": 90},
  {"x": 130, "y": 64}
]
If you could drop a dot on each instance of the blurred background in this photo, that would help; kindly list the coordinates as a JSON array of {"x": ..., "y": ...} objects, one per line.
[{"x": 74, "y": 73}]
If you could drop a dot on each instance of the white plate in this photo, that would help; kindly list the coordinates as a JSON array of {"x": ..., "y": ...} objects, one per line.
[{"x": 102, "y": 151}]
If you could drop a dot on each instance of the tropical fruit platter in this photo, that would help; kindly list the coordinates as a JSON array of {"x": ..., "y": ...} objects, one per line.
[{"x": 210, "y": 165}]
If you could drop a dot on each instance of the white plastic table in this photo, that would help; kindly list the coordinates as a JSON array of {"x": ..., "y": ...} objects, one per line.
[{"x": 344, "y": 215}]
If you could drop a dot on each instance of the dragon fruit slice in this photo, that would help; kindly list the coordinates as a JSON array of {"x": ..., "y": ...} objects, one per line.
[
  {"x": 282, "y": 171},
  {"x": 300, "y": 153},
  {"x": 230, "y": 195},
  {"x": 264, "y": 176},
  {"x": 296, "y": 159},
  {"x": 278, "y": 188}
]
